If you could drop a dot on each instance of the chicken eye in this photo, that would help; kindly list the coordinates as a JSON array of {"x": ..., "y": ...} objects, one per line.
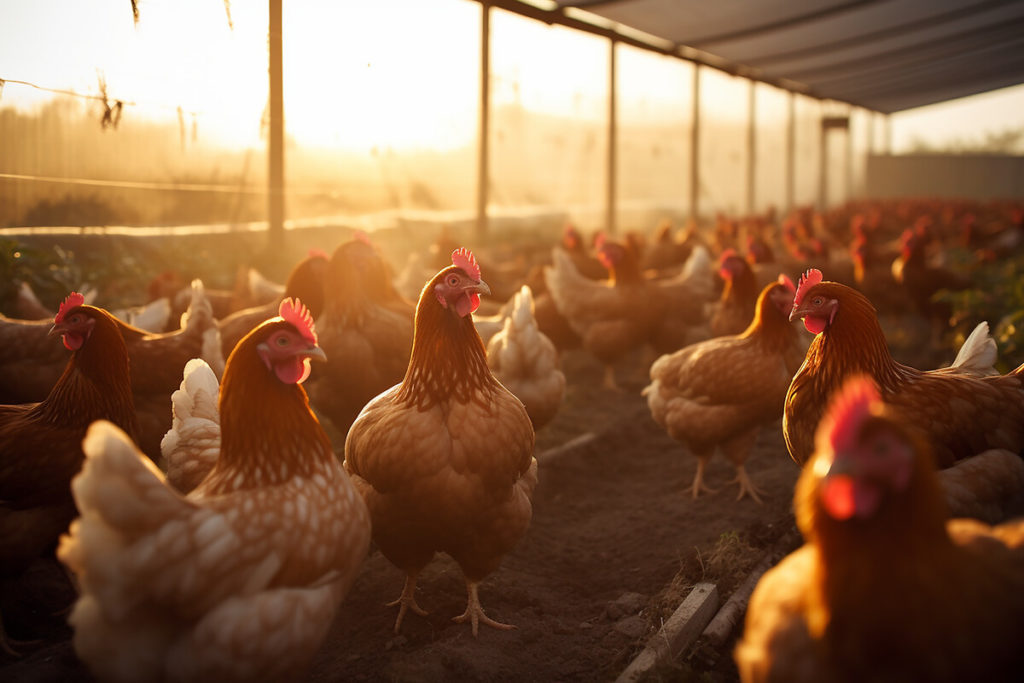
[
  {"x": 453, "y": 281},
  {"x": 282, "y": 341},
  {"x": 817, "y": 301}
]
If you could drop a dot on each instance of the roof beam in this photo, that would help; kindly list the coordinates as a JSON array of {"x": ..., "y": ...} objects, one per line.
[
  {"x": 781, "y": 24},
  {"x": 911, "y": 26},
  {"x": 927, "y": 49}
]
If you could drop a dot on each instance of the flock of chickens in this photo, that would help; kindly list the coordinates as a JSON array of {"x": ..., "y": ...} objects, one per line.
[{"x": 211, "y": 526}]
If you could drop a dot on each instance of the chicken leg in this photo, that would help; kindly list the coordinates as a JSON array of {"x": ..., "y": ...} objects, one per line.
[
  {"x": 407, "y": 600},
  {"x": 475, "y": 613},
  {"x": 746, "y": 485},
  {"x": 737, "y": 449},
  {"x": 698, "y": 479}
]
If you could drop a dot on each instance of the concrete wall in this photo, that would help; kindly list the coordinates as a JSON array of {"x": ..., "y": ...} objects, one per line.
[{"x": 939, "y": 175}]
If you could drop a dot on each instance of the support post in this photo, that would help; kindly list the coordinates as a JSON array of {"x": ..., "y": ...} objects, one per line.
[
  {"x": 791, "y": 154},
  {"x": 275, "y": 158},
  {"x": 823, "y": 157},
  {"x": 483, "y": 156},
  {"x": 751, "y": 149},
  {"x": 610, "y": 199},
  {"x": 695, "y": 149}
]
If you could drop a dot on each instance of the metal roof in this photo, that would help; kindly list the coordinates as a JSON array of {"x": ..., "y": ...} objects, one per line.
[{"x": 885, "y": 55}]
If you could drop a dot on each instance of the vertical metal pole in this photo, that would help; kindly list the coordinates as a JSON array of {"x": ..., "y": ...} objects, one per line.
[
  {"x": 695, "y": 148},
  {"x": 483, "y": 157},
  {"x": 751, "y": 149},
  {"x": 849, "y": 154},
  {"x": 871, "y": 132},
  {"x": 610, "y": 199},
  {"x": 275, "y": 175},
  {"x": 823, "y": 156},
  {"x": 791, "y": 154}
]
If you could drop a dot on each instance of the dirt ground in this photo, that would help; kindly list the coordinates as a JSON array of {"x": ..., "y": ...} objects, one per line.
[{"x": 614, "y": 546}]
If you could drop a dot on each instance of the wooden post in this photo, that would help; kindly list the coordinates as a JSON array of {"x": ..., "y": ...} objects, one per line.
[
  {"x": 275, "y": 174},
  {"x": 610, "y": 199},
  {"x": 695, "y": 148},
  {"x": 823, "y": 166},
  {"x": 483, "y": 156},
  {"x": 751, "y": 149},
  {"x": 791, "y": 154}
]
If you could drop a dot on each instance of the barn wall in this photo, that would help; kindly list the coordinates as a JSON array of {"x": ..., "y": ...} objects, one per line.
[{"x": 936, "y": 175}]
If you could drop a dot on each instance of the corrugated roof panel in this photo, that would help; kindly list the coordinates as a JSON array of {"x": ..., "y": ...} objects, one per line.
[{"x": 882, "y": 54}]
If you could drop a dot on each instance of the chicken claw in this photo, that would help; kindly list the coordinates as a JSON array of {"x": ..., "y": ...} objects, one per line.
[
  {"x": 475, "y": 613},
  {"x": 746, "y": 486},
  {"x": 407, "y": 601},
  {"x": 698, "y": 479}
]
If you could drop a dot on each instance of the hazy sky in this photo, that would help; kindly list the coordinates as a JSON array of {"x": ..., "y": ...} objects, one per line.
[{"x": 357, "y": 74}]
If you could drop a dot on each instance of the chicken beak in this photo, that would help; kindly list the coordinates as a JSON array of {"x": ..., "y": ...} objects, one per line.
[
  {"x": 55, "y": 330},
  {"x": 796, "y": 314},
  {"x": 315, "y": 353},
  {"x": 481, "y": 288}
]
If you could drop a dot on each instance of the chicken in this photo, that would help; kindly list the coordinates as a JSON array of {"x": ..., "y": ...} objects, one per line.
[
  {"x": 41, "y": 444},
  {"x": 366, "y": 331},
  {"x": 305, "y": 283},
  {"x": 957, "y": 412},
  {"x": 921, "y": 280},
  {"x": 735, "y": 307},
  {"x": 240, "y": 579},
  {"x": 445, "y": 459},
  {"x": 626, "y": 311},
  {"x": 31, "y": 363},
  {"x": 720, "y": 392},
  {"x": 526, "y": 362},
  {"x": 886, "y": 587}
]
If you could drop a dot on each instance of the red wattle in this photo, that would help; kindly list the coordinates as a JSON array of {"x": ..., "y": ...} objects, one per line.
[{"x": 814, "y": 325}]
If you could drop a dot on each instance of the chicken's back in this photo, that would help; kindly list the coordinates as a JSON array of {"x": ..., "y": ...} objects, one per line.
[
  {"x": 707, "y": 392},
  {"x": 455, "y": 478}
]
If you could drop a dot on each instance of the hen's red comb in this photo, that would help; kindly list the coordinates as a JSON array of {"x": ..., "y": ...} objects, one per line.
[
  {"x": 812, "y": 277},
  {"x": 74, "y": 300},
  {"x": 463, "y": 258},
  {"x": 361, "y": 236},
  {"x": 294, "y": 312},
  {"x": 786, "y": 282},
  {"x": 848, "y": 409},
  {"x": 318, "y": 253}
]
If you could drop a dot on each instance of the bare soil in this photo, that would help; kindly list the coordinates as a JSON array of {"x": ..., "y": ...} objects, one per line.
[{"x": 615, "y": 544}]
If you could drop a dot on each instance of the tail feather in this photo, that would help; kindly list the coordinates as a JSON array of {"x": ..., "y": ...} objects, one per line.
[
  {"x": 977, "y": 357},
  {"x": 192, "y": 444},
  {"x": 198, "y": 319}
]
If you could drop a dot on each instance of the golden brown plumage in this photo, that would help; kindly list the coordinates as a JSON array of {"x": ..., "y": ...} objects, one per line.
[
  {"x": 719, "y": 392},
  {"x": 240, "y": 579},
  {"x": 444, "y": 459},
  {"x": 959, "y": 414},
  {"x": 305, "y": 283},
  {"x": 735, "y": 306},
  {"x": 365, "y": 331},
  {"x": 41, "y": 444},
  {"x": 885, "y": 589}
]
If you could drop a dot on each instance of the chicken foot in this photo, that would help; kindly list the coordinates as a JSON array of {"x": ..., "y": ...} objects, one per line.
[
  {"x": 475, "y": 613},
  {"x": 698, "y": 479},
  {"x": 407, "y": 600},
  {"x": 746, "y": 485}
]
